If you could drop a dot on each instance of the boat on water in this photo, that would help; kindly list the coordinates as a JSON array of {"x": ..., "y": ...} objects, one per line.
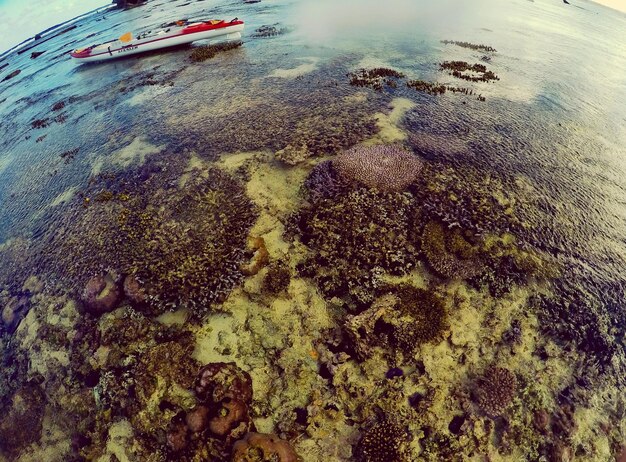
[{"x": 178, "y": 33}]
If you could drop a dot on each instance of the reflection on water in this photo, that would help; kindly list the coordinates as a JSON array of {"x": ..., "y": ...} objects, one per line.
[{"x": 478, "y": 311}]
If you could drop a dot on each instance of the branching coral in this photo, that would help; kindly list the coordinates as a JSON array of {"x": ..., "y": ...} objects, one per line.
[
  {"x": 355, "y": 238},
  {"x": 495, "y": 390},
  {"x": 324, "y": 182},
  {"x": 181, "y": 247},
  {"x": 382, "y": 167}
]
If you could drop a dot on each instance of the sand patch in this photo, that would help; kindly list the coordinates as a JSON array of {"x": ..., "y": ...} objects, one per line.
[
  {"x": 135, "y": 153},
  {"x": 389, "y": 124},
  {"x": 309, "y": 66},
  {"x": 64, "y": 197}
]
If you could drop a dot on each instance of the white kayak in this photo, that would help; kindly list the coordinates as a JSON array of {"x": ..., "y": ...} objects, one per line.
[{"x": 178, "y": 34}]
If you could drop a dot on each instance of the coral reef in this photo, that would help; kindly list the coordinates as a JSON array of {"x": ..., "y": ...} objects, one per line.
[
  {"x": 184, "y": 252},
  {"x": 218, "y": 381},
  {"x": 204, "y": 52},
  {"x": 427, "y": 87},
  {"x": 269, "y": 31},
  {"x": 403, "y": 319},
  {"x": 21, "y": 424},
  {"x": 382, "y": 167},
  {"x": 376, "y": 78},
  {"x": 356, "y": 237},
  {"x": 495, "y": 390},
  {"x": 258, "y": 447},
  {"x": 467, "y": 198}
]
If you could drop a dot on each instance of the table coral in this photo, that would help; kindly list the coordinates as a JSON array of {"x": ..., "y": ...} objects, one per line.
[{"x": 382, "y": 167}]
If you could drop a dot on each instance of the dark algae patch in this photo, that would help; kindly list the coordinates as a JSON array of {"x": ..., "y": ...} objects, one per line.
[
  {"x": 478, "y": 72},
  {"x": 376, "y": 78},
  {"x": 471, "y": 46}
]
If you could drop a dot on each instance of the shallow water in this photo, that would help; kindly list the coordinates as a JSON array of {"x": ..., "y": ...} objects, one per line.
[{"x": 552, "y": 128}]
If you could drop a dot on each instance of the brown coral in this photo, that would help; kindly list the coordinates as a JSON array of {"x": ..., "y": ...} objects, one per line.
[
  {"x": 495, "y": 390},
  {"x": 383, "y": 167},
  {"x": 259, "y": 447},
  {"x": 101, "y": 294},
  {"x": 231, "y": 419}
]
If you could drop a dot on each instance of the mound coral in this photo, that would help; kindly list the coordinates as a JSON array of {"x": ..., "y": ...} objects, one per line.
[
  {"x": 384, "y": 441},
  {"x": 259, "y": 447},
  {"x": 356, "y": 238},
  {"x": 180, "y": 247},
  {"x": 495, "y": 390},
  {"x": 101, "y": 294},
  {"x": 383, "y": 167}
]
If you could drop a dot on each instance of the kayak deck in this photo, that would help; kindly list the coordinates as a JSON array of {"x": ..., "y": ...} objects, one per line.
[{"x": 176, "y": 34}]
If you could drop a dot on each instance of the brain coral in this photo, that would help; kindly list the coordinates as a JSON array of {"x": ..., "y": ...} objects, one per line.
[
  {"x": 183, "y": 246},
  {"x": 355, "y": 238},
  {"x": 495, "y": 390},
  {"x": 383, "y": 167}
]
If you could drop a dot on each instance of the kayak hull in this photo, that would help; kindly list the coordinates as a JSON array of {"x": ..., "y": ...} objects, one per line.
[{"x": 165, "y": 39}]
